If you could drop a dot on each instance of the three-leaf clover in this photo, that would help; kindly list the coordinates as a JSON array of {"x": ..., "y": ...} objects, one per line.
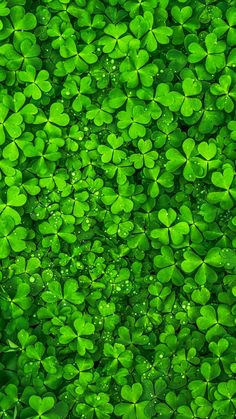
[
  {"x": 226, "y": 95},
  {"x": 194, "y": 166},
  {"x": 146, "y": 157},
  {"x": 134, "y": 409},
  {"x": 11, "y": 237},
  {"x": 187, "y": 104},
  {"x": 81, "y": 328},
  {"x": 36, "y": 83},
  {"x": 170, "y": 232},
  {"x": 54, "y": 229},
  {"x": 112, "y": 152},
  {"x": 96, "y": 404},
  {"x": 224, "y": 181},
  {"x": 135, "y": 118},
  {"x": 134, "y": 69},
  {"x": 70, "y": 293},
  {"x": 9, "y": 124},
  {"x": 41, "y": 405},
  {"x": 213, "y": 55}
]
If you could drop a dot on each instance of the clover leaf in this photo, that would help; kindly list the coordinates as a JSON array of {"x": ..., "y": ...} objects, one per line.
[
  {"x": 135, "y": 119},
  {"x": 223, "y": 181},
  {"x": 134, "y": 408},
  {"x": 70, "y": 293},
  {"x": 175, "y": 232},
  {"x": 98, "y": 403},
  {"x": 11, "y": 237},
  {"x": 37, "y": 83},
  {"x": 225, "y": 397},
  {"x": 214, "y": 53},
  {"x": 146, "y": 157},
  {"x": 222, "y": 89},
  {"x": 82, "y": 328},
  {"x": 222, "y": 28},
  {"x": 112, "y": 153},
  {"x": 41, "y": 405},
  {"x": 57, "y": 116},
  {"x": 135, "y": 68},
  {"x": 10, "y": 124}
]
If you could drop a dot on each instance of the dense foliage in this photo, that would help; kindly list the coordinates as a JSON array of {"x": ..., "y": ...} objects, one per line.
[{"x": 117, "y": 209}]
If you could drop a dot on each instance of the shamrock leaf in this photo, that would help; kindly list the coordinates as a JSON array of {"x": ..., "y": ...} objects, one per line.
[
  {"x": 214, "y": 53},
  {"x": 155, "y": 35},
  {"x": 162, "y": 95},
  {"x": 135, "y": 68},
  {"x": 116, "y": 98},
  {"x": 21, "y": 20},
  {"x": 41, "y": 405},
  {"x": 112, "y": 153},
  {"x": 227, "y": 95},
  {"x": 57, "y": 116},
  {"x": 17, "y": 304},
  {"x": 54, "y": 230},
  {"x": 70, "y": 293},
  {"x": 95, "y": 402},
  {"x": 119, "y": 355},
  {"x": 82, "y": 328},
  {"x": 119, "y": 201},
  {"x": 187, "y": 22},
  {"x": 225, "y": 397},
  {"x": 187, "y": 104},
  {"x": 222, "y": 28},
  {"x": 162, "y": 34},
  {"x": 139, "y": 26},
  {"x": 201, "y": 296},
  {"x": 175, "y": 232},
  {"x": 215, "y": 322},
  {"x": 115, "y": 38},
  {"x": 167, "y": 266},
  {"x": 37, "y": 83},
  {"x": 208, "y": 151},
  {"x": 223, "y": 181},
  {"x": 13, "y": 199},
  {"x": 146, "y": 157},
  {"x": 99, "y": 115},
  {"x": 193, "y": 261},
  {"x": 10, "y": 125},
  {"x": 11, "y": 237},
  {"x": 157, "y": 180},
  {"x": 134, "y": 408},
  {"x": 135, "y": 119},
  {"x": 194, "y": 166}
]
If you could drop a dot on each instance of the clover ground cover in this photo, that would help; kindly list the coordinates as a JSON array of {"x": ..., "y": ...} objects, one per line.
[{"x": 117, "y": 209}]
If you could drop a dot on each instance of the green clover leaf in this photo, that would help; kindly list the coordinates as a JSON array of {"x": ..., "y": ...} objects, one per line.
[
  {"x": 41, "y": 405},
  {"x": 135, "y": 68},
  {"x": 134, "y": 118},
  {"x": 214, "y": 53}
]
